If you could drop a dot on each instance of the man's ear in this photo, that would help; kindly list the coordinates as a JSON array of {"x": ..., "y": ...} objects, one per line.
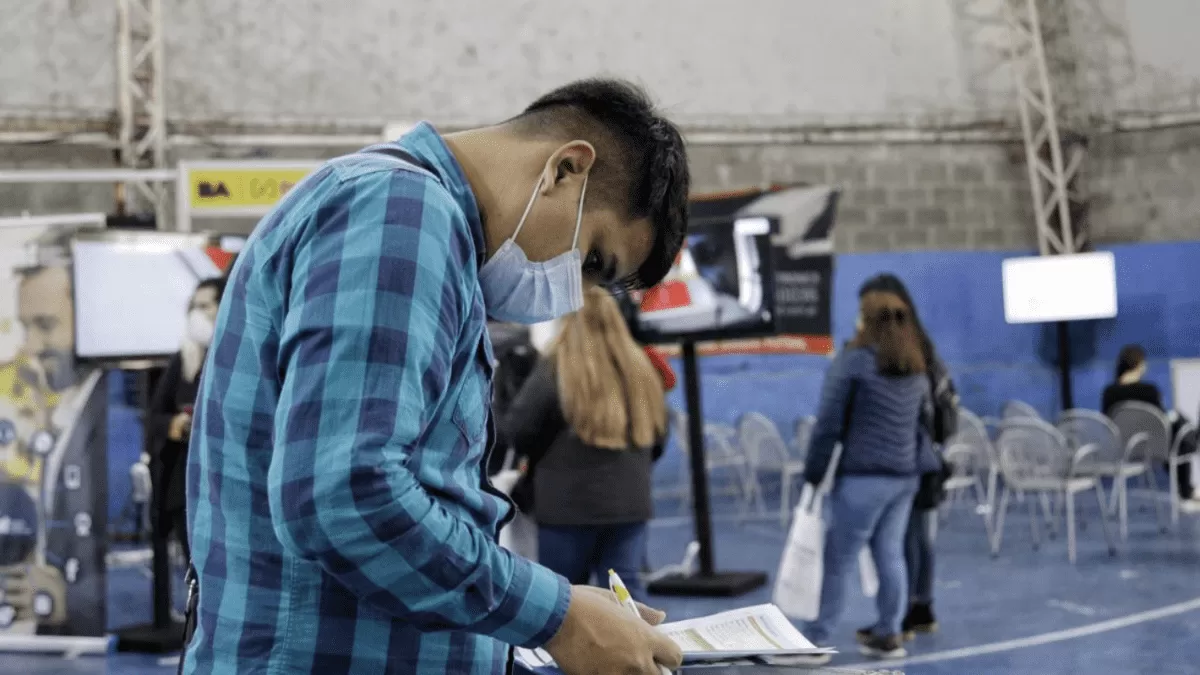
[{"x": 571, "y": 162}]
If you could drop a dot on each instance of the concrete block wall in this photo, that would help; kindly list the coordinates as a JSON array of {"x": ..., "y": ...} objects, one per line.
[
  {"x": 1145, "y": 186},
  {"x": 895, "y": 197}
]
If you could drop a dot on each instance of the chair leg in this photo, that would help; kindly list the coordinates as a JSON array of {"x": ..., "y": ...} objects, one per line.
[
  {"x": 1070, "y": 498},
  {"x": 1172, "y": 468},
  {"x": 1121, "y": 487},
  {"x": 1033, "y": 521},
  {"x": 1112, "y": 547},
  {"x": 785, "y": 498},
  {"x": 1158, "y": 507},
  {"x": 998, "y": 526}
]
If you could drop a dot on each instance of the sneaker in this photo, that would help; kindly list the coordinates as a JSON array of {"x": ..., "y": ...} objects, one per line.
[
  {"x": 1191, "y": 505},
  {"x": 919, "y": 619},
  {"x": 890, "y": 647}
]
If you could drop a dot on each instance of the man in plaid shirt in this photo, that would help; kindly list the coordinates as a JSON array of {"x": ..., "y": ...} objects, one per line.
[{"x": 339, "y": 514}]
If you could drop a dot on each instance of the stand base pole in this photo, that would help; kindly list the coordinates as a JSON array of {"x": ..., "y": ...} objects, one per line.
[{"x": 715, "y": 585}]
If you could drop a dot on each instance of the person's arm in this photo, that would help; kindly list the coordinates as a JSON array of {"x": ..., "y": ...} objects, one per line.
[
  {"x": 534, "y": 418},
  {"x": 663, "y": 367},
  {"x": 1155, "y": 396},
  {"x": 374, "y": 307},
  {"x": 831, "y": 416},
  {"x": 162, "y": 401}
]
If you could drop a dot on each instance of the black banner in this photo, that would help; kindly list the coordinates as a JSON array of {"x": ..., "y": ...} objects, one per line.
[{"x": 803, "y": 293}]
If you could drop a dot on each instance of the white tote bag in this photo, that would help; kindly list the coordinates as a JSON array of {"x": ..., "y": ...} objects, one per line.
[
  {"x": 801, "y": 570},
  {"x": 520, "y": 535},
  {"x": 867, "y": 574}
]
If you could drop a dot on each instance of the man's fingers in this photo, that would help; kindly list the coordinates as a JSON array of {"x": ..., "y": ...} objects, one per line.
[
  {"x": 665, "y": 651},
  {"x": 650, "y": 615}
]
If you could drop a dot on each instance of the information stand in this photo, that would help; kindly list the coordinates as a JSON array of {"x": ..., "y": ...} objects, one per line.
[
  {"x": 228, "y": 189},
  {"x": 708, "y": 582}
]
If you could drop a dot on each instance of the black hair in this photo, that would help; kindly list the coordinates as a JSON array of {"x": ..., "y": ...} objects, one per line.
[
  {"x": 217, "y": 284},
  {"x": 641, "y": 161},
  {"x": 890, "y": 283},
  {"x": 1130, "y": 358}
]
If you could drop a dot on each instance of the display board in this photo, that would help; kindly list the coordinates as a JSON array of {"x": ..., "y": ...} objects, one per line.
[
  {"x": 53, "y": 461},
  {"x": 228, "y": 189},
  {"x": 1074, "y": 287},
  {"x": 132, "y": 291},
  {"x": 795, "y": 263},
  {"x": 1185, "y": 384}
]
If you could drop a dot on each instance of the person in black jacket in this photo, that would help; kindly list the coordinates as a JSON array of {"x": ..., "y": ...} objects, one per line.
[
  {"x": 919, "y": 539},
  {"x": 1129, "y": 386},
  {"x": 171, "y": 412},
  {"x": 589, "y": 419}
]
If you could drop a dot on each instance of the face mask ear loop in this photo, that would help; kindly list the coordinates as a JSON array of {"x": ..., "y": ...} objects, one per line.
[
  {"x": 579, "y": 215},
  {"x": 528, "y": 207}
]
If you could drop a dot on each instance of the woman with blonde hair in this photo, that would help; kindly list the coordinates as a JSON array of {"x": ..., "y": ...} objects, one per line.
[
  {"x": 875, "y": 402},
  {"x": 591, "y": 419}
]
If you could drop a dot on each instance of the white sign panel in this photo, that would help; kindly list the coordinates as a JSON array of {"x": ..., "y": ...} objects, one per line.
[{"x": 1060, "y": 288}]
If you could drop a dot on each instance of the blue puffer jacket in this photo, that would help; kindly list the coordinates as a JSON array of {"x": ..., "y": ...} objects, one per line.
[{"x": 887, "y": 433}]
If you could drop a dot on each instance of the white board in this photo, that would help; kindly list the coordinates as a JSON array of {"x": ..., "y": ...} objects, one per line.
[
  {"x": 1185, "y": 385},
  {"x": 1073, "y": 287},
  {"x": 132, "y": 293}
]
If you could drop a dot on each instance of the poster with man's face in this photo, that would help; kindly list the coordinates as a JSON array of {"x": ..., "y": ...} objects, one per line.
[{"x": 52, "y": 460}]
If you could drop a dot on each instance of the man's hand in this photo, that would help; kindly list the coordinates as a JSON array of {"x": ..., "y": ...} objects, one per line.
[
  {"x": 600, "y": 637},
  {"x": 180, "y": 427}
]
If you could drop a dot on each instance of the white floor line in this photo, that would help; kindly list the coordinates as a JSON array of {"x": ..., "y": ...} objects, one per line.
[{"x": 1043, "y": 639}]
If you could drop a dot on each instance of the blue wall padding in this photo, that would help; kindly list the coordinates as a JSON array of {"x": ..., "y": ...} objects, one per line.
[{"x": 960, "y": 300}]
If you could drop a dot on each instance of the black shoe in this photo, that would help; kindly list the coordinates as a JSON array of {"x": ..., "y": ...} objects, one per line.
[
  {"x": 920, "y": 619},
  {"x": 864, "y": 635},
  {"x": 890, "y": 647}
]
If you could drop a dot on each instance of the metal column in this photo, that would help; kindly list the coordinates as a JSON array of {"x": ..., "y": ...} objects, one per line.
[
  {"x": 1041, "y": 56},
  {"x": 141, "y": 114}
]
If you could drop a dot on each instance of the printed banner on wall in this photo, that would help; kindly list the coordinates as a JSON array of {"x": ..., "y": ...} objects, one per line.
[
  {"x": 53, "y": 507},
  {"x": 803, "y": 263}
]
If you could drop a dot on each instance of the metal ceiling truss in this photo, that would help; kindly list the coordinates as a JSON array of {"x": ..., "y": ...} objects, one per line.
[
  {"x": 141, "y": 113},
  {"x": 1045, "y": 75}
]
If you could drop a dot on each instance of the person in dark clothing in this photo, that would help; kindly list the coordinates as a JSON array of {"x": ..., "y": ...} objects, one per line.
[
  {"x": 591, "y": 419},
  {"x": 171, "y": 412},
  {"x": 919, "y": 554},
  {"x": 1129, "y": 386},
  {"x": 874, "y": 403}
]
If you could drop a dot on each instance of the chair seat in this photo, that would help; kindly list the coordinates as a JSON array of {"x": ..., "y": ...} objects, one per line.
[
  {"x": 1077, "y": 484},
  {"x": 1113, "y": 469}
]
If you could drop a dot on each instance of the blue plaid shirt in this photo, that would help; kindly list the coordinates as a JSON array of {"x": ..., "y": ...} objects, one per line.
[{"x": 340, "y": 519}]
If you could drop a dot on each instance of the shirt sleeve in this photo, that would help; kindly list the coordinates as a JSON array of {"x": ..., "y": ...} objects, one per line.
[
  {"x": 373, "y": 313},
  {"x": 831, "y": 416}
]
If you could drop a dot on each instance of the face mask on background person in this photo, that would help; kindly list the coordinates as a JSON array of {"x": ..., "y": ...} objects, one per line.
[
  {"x": 518, "y": 290},
  {"x": 199, "y": 327}
]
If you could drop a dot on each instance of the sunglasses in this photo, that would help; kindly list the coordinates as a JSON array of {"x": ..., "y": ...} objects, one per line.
[{"x": 895, "y": 314}]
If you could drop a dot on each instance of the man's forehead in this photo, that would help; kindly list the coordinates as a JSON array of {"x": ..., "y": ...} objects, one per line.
[{"x": 631, "y": 242}]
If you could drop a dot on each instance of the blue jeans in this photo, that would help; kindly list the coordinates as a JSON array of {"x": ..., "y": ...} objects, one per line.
[
  {"x": 579, "y": 551},
  {"x": 866, "y": 510},
  {"x": 918, "y": 555}
]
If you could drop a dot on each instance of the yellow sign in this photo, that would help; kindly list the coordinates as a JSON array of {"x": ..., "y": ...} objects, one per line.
[{"x": 241, "y": 188}]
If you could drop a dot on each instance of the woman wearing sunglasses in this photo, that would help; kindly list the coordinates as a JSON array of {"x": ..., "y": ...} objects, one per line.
[{"x": 875, "y": 403}]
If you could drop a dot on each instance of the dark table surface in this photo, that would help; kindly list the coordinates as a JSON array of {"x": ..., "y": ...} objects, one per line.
[{"x": 746, "y": 670}]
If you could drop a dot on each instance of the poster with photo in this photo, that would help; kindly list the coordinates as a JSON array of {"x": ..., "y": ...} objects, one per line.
[{"x": 53, "y": 501}]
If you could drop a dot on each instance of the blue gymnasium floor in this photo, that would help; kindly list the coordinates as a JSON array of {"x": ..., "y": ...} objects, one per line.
[{"x": 1025, "y": 612}]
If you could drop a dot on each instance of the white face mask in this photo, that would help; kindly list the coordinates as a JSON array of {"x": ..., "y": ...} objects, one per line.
[
  {"x": 199, "y": 327},
  {"x": 518, "y": 290}
]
